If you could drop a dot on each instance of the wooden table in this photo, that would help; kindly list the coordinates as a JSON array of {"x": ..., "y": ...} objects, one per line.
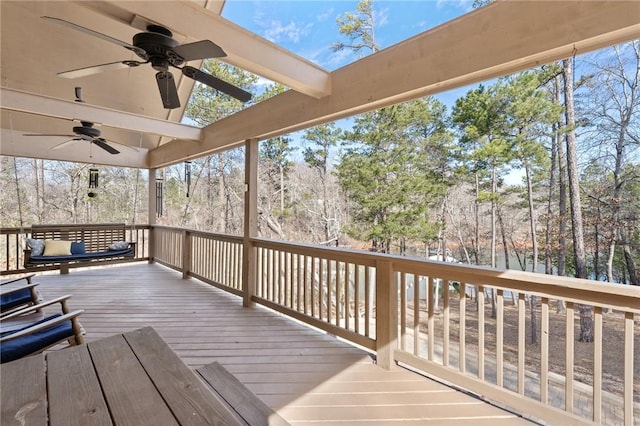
[{"x": 133, "y": 378}]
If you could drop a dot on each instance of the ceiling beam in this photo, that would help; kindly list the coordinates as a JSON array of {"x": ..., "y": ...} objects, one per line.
[
  {"x": 215, "y": 6},
  {"x": 17, "y": 100},
  {"x": 244, "y": 49},
  {"x": 502, "y": 38}
]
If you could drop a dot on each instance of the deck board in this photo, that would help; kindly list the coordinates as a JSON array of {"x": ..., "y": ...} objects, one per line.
[{"x": 305, "y": 375}]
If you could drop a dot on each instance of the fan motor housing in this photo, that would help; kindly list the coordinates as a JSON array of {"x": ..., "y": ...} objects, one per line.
[
  {"x": 158, "y": 45},
  {"x": 86, "y": 131}
]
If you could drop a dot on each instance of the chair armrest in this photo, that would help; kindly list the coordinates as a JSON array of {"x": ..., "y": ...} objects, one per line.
[
  {"x": 26, "y": 277},
  {"x": 42, "y": 326},
  {"x": 16, "y": 289},
  {"x": 62, "y": 300}
]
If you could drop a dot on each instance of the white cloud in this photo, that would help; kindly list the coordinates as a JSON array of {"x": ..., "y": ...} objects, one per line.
[
  {"x": 465, "y": 5},
  {"x": 277, "y": 31},
  {"x": 382, "y": 17},
  {"x": 325, "y": 15}
]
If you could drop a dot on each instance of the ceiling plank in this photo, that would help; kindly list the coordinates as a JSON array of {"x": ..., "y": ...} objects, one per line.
[
  {"x": 244, "y": 49},
  {"x": 17, "y": 100},
  {"x": 496, "y": 40}
]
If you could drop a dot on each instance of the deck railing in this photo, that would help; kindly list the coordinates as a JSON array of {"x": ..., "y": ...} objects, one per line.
[
  {"x": 460, "y": 338},
  {"x": 438, "y": 318},
  {"x": 213, "y": 258},
  {"x": 469, "y": 326},
  {"x": 13, "y": 240}
]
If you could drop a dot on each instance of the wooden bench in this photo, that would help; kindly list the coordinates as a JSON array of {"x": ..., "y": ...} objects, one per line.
[
  {"x": 96, "y": 238},
  {"x": 245, "y": 403}
]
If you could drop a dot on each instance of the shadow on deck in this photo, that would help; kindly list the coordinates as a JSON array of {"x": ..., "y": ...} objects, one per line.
[{"x": 305, "y": 375}]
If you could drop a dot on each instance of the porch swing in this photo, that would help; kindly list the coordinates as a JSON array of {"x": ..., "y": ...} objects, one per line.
[{"x": 64, "y": 246}]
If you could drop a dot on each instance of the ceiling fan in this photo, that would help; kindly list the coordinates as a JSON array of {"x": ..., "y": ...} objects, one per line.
[
  {"x": 84, "y": 132},
  {"x": 157, "y": 47}
]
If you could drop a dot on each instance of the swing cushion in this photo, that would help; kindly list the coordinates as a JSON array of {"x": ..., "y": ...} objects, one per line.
[
  {"x": 120, "y": 245},
  {"x": 78, "y": 248},
  {"x": 57, "y": 248},
  {"x": 37, "y": 246},
  {"x": 82, "y": 256}
]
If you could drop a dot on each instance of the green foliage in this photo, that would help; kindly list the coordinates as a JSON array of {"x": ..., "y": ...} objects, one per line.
[
  {"x": 208, "y": 105},
  {"x": 359, "y": 29},
  {"x": 322, "y": 138},
  {"x": 393, "y": 170},
  {"x": 480, "y": 3}
]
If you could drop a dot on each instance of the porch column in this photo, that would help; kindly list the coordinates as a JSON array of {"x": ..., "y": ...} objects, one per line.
[
  {"x": 152, "y": 212},
  {"x": 386, "y": 314},
  {"x": 249, "y": 258}
]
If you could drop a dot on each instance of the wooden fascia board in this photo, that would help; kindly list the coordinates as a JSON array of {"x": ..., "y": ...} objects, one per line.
[
  {"x": 244, "y": 49},
  {"x": 17, "y": 100}
]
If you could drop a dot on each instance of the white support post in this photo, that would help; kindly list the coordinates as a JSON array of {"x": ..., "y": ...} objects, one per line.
[
  {"x": 386, "y": 314},
  {"x": 152, "y": 212},
  {"x": 250, "y": 228},
  {"x": 186, "y": 254}
]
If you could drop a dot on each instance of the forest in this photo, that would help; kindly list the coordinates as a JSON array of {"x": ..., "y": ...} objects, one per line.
[{"x": 536, "y": 171}]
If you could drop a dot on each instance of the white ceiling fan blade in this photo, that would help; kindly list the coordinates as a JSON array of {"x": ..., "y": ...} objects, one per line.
[
  {"x": 65, "y": 143},
  {"x": 97, "y": 69},
  {"x": 48, "y": 135}
]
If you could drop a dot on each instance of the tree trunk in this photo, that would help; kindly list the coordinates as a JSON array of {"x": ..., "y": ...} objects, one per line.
[
  {"x": 463, "y": 246},
  {"x": 631, "y": 266},
  {"x": 494, "y": 192},
  {"x": 476, "y": 213},
  {"x": 586, "y": 321},
  {"x": 562, "y": 202},
  {"x": 596, "y": 243},
  {"x": 281, "y": 173},
  {"x": 38, "y": 189},
  {"x": 534, "y": 243},
  {"x": 503, "y": 235},
  {"x": 222, "y": 201},
  {"x": 532, "y": 217},
  {"x": 548, "y": 250}
]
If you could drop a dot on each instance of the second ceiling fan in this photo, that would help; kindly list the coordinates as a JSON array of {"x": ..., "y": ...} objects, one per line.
[
  {"x": 85, "y": 132},
  {"x": 157, "y": 47}
]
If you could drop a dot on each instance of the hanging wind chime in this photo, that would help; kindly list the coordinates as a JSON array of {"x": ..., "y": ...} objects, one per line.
[
  {"x": 159, "y": 195},
  {"x": 93, "y": 183},
  {"x": 187, "y": 175}
]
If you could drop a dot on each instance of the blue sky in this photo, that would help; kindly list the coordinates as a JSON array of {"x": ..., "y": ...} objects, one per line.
[{"x": 309, "y": 27}]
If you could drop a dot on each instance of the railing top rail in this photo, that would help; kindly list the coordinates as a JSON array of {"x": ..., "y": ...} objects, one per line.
[
  {"x": 195, "y": 232},
  {"x": 576, "y": 290},
  {"x": 333, "y": 253},
  {"x": 14, "y": 230}
]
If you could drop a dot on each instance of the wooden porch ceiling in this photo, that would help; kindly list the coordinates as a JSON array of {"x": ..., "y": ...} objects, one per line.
[{"x": 505, "y": 37}]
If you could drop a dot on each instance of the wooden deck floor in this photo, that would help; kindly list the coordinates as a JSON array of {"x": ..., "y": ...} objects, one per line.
[{"x": 307, "y": 376}]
